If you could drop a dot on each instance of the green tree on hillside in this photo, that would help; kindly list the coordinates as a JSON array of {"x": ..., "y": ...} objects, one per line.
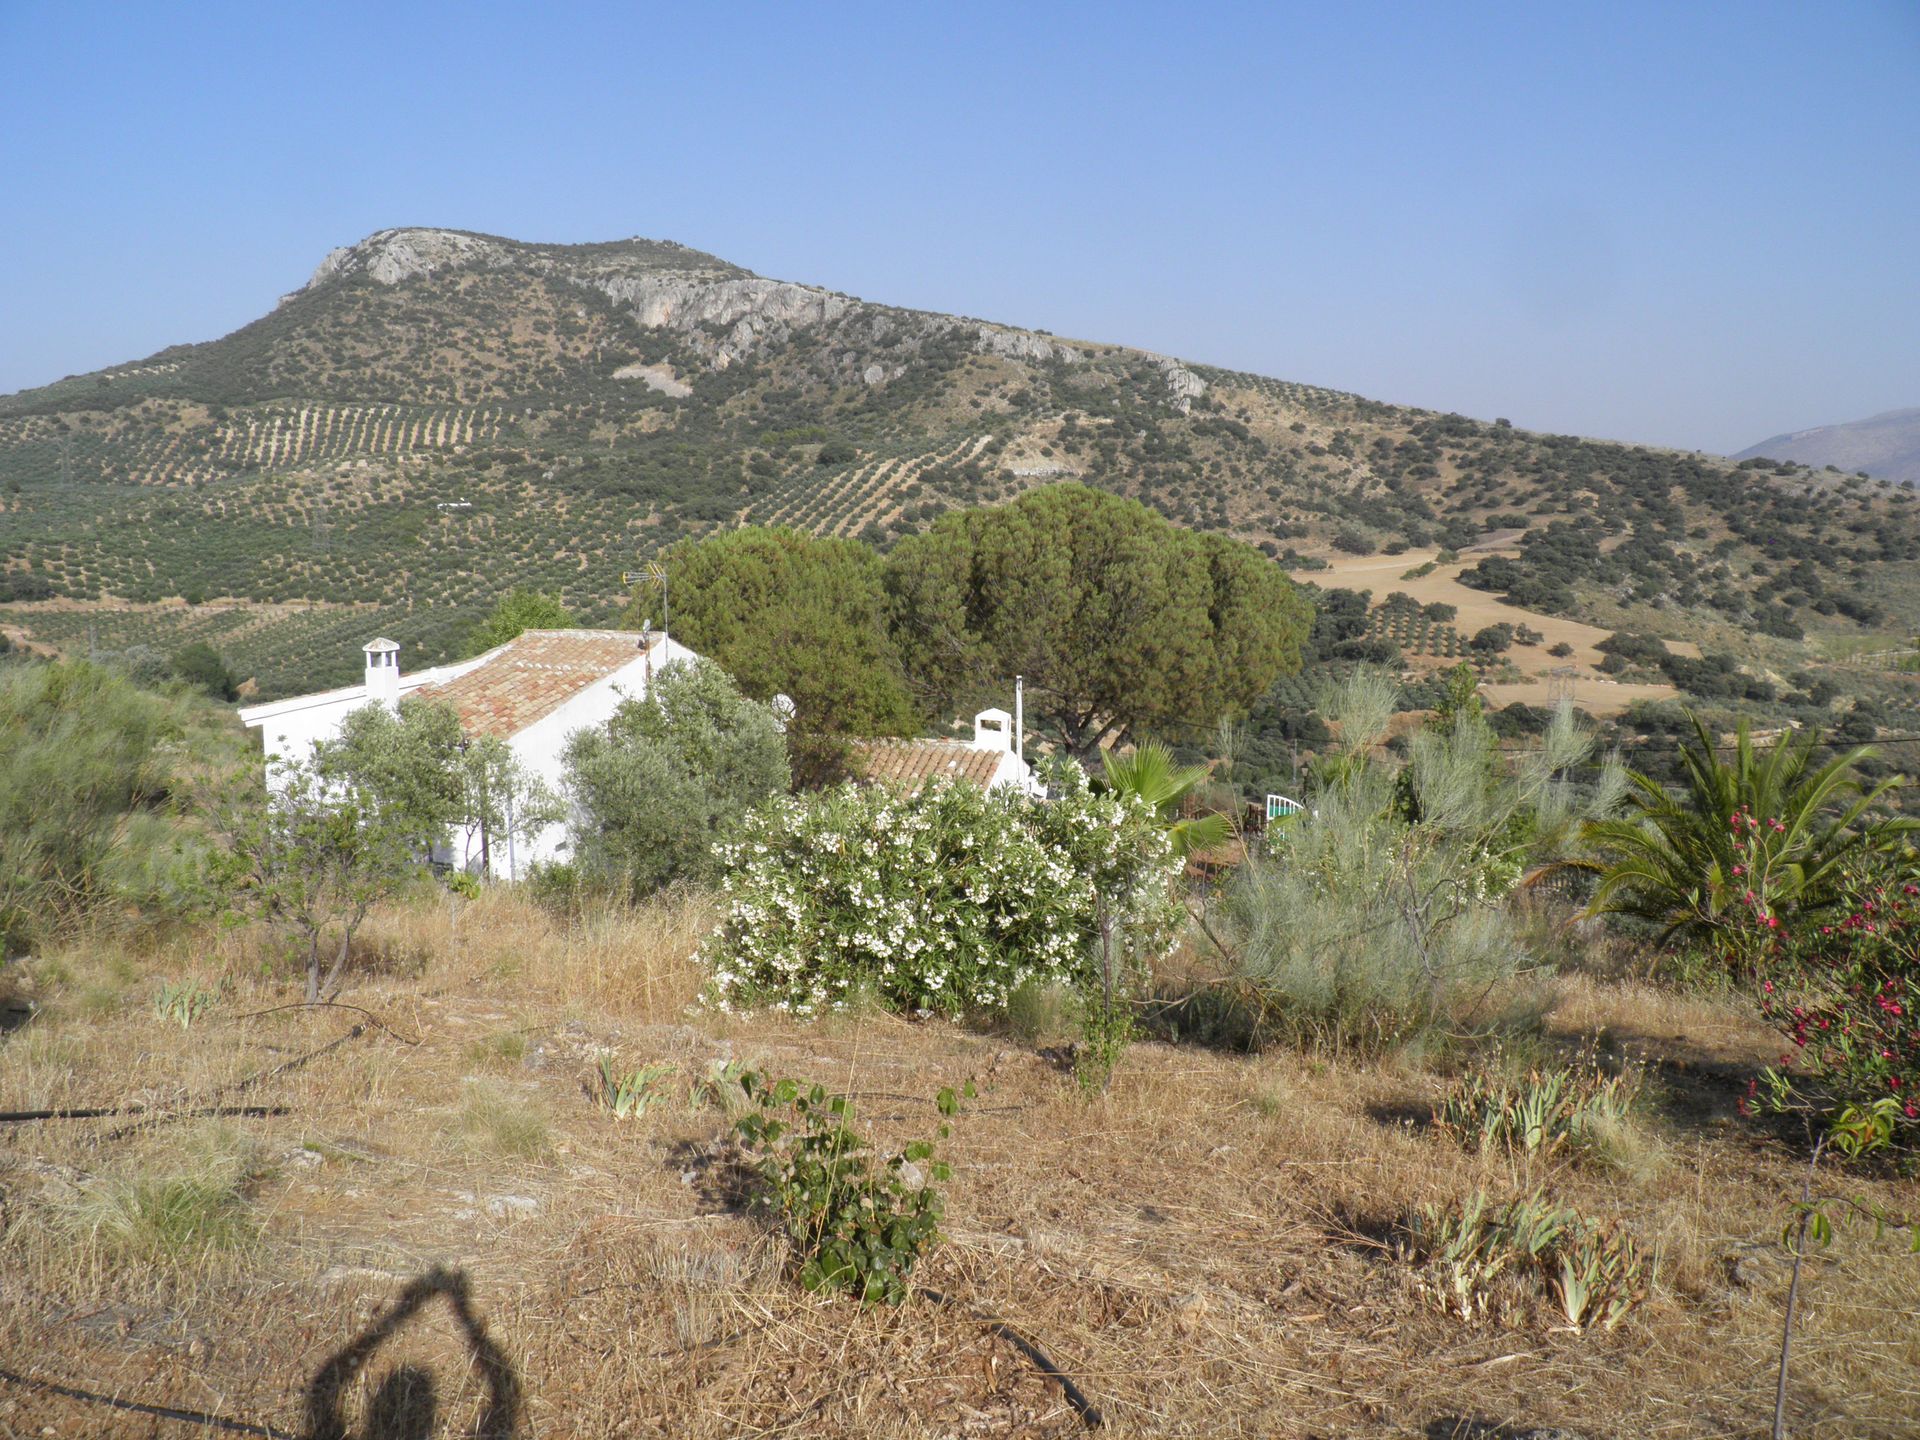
[
  {"x": 200, "y": 665},
  {"x": 790, "y": 614},
  {"x": 1121, "y": 621},
  {"x": 517, "y": 610}
]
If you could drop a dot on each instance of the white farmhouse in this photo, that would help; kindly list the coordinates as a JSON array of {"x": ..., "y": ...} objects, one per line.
[{"x": 532, "y": 692}]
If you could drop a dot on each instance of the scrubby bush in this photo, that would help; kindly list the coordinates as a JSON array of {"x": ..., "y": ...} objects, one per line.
[
  {"x": 1380, "y": 913},
  {"x": 667, "y": 775},
  {"x": 88, "y": 766},
  {"x": 947, "y": 899},
  {"x": 857, "y": 1222}
]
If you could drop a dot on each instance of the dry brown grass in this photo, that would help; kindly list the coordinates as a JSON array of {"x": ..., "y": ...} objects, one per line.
[
  {"x": 1591, "y": 690},
  {"x": 1202, "y": 1248}
]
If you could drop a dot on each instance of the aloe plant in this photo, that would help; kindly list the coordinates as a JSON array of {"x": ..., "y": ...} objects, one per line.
[
  {"x": 631, "y": 1093},
  {"x": 185, "y": 1001}
]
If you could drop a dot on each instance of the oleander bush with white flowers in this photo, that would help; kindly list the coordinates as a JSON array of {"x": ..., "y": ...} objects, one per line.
[{"x": 947, "y": 899}]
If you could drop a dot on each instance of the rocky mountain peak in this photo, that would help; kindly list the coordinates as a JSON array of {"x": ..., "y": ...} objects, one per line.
[{"x": 393, "y": 256}]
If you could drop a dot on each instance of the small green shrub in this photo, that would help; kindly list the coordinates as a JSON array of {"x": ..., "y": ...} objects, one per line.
[
  {"x": 857, "y": 1222},
  {"x": 557, "y": 887}
]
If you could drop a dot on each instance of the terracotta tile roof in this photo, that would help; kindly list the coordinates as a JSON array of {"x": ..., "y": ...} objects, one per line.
[
  {"x": 910, "y": 764},
  {"x": 531, "y": 676}
]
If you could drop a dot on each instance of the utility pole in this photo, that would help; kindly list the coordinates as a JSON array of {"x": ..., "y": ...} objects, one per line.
[
  {"x": 1020, "y": 718},
  {"x": 1560, "y": 685}
]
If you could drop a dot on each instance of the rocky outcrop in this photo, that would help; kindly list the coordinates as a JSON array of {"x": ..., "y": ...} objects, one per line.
[
  {"x": 1021, "y": 345},
  {"x": 1182, "y": 383},
  {"x": 393, "y": 256},
  {"x": 724, "y": 312},
  {"x": 747, "y": 309}
]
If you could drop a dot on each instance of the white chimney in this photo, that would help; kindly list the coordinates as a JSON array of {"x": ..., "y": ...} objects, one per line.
[
  {"x": 383, "y": 672},
  {"x": 993, "y": 730},
  {"x": 1020, "y": 716}
]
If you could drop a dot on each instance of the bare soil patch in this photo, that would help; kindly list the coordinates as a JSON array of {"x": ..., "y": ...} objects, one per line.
[{"x": 1593, "y": 691}]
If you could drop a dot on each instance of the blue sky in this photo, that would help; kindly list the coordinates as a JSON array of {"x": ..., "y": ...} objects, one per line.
[{"x": 1686, "y": 224}]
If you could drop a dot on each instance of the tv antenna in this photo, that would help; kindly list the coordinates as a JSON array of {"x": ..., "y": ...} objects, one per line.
[{"x": 653, "y": 573}]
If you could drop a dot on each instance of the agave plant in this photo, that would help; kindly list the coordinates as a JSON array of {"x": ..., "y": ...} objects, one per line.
[
  {"x": 1150, "y": 773},
  {"x": 1675, "y": 859}
]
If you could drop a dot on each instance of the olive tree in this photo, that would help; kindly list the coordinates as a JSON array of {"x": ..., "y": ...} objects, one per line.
[
  {"x": 422, "y": 775},
  {"x": 310, "y": 859},
  {"x": 668, "y": 776}
]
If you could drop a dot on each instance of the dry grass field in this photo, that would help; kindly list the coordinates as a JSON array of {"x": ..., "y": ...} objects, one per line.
[{"x": 437, "y": 1232}]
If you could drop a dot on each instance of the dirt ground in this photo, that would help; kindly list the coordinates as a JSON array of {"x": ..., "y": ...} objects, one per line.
[
  {"x": 1591, "y": 691},
  {"x": 442, "y": 1234}
]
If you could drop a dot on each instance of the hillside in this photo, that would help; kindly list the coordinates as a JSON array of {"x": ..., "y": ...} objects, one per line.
[
  {"x": 435, "y": 416},
  {"x": 1885, "y": 445}
]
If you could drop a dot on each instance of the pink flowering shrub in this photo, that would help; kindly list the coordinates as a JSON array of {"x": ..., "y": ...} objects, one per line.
[{"x": 1844, "y": 988}]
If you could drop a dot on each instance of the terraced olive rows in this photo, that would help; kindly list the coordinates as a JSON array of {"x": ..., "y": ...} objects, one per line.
[{"x": 283, "y": 439}]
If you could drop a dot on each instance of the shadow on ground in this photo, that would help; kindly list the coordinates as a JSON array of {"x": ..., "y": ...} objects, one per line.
[{"x": 405, "y": 1405}]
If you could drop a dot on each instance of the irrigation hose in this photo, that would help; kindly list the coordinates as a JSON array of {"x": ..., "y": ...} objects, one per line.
[
  {"x": 17, "y": 1117},
  {"x": 159, "y": 1412},
  {"x": 1088, "y": 1412}
]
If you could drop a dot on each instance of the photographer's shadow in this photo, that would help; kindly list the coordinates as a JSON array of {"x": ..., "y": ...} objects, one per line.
[{"x": 406, "y": 1405}]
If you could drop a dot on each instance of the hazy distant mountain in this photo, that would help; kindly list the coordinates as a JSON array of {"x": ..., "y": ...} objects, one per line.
[{"x": 1886, "y": 446}]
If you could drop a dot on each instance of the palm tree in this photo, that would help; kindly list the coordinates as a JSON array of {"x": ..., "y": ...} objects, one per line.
[
  {"x": 1674, "y": 860},
  {"x": 1151, "y": 774}
]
